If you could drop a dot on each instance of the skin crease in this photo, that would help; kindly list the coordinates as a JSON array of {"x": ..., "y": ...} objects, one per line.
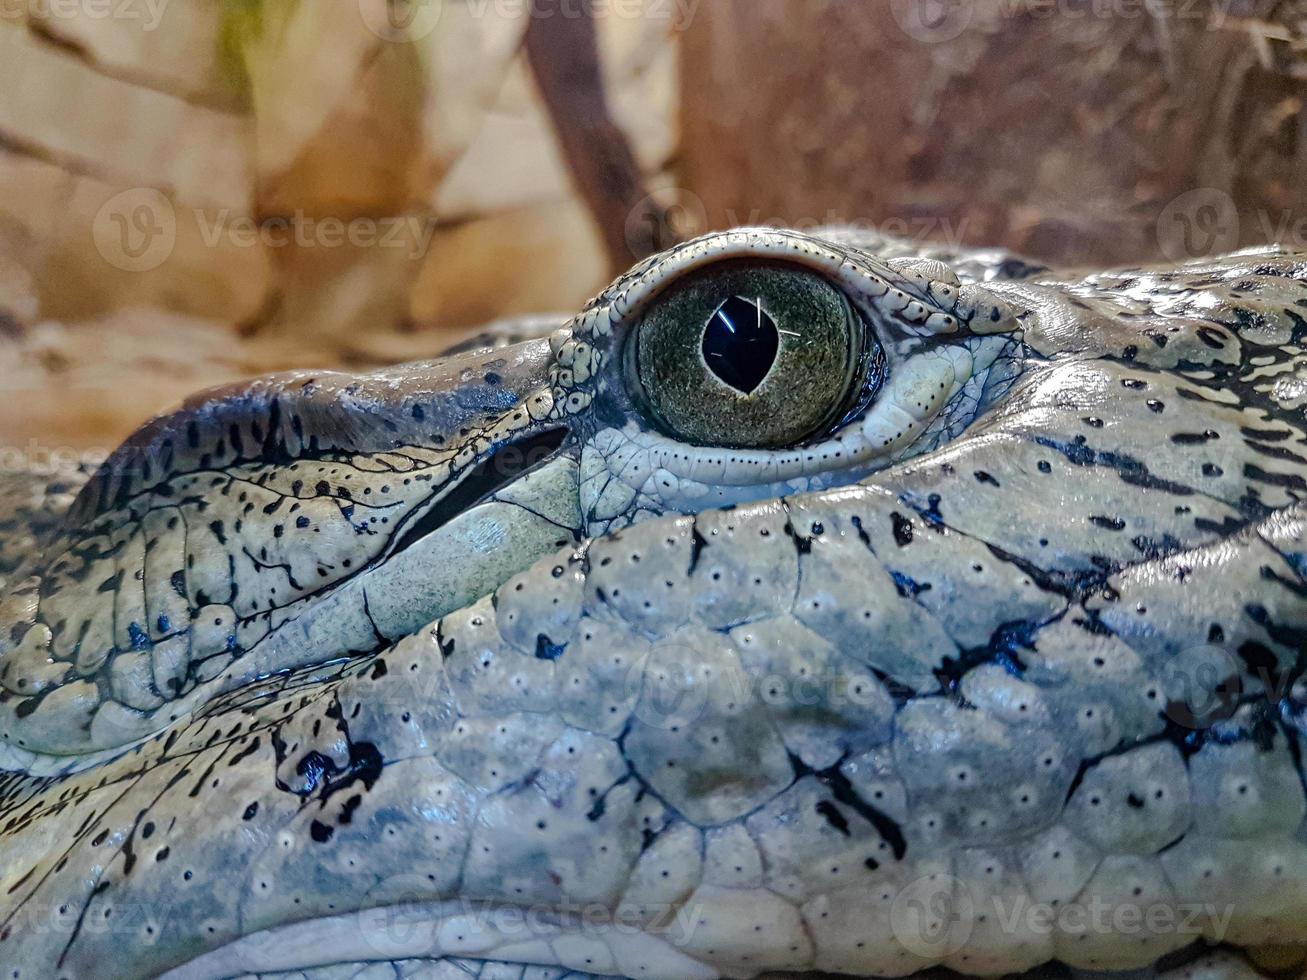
[{"x": 466, "y": 668}]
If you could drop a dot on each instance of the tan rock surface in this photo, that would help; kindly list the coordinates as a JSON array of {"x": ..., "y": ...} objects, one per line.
[
  {"x": 640, "y": 61},
  {"x": 77, "y": 391},
  {"x": 18, "y": 303},
  {"x": 305, "y": 70},
  {"x": 74, "y": 392},
  {"x": 512, "y": 162},
  {"x": 156, "y": 43},
  {"x": 545, "y": 257},
  {"x": 94, "y": 247},
  {"x": 1074, "y": 132},
  {"x": 465, "y": 52},
  {"x": 187, "y": 198},
  {"x": 125, "y": 133}
]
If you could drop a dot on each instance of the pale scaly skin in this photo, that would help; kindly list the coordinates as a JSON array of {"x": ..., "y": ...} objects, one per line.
[{"x": 910, "y": 687}]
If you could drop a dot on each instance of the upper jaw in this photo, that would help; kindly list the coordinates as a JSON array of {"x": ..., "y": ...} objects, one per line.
[{"x": 317, "y": 517}]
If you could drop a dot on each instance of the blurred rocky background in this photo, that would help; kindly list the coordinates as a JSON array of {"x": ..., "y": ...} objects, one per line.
[{"x": 193, "y": 191}]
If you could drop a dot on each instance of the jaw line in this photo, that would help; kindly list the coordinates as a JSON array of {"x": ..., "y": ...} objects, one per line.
[
  {"x": 463, "y": 559},
  {"x": 455, "y": 928}
]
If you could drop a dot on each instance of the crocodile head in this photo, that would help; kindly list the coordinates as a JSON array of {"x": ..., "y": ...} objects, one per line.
[{"x": 795, "y": 591}]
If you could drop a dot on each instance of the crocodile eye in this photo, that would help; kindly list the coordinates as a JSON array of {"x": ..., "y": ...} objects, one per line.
[{"x": 752, "y": 355}]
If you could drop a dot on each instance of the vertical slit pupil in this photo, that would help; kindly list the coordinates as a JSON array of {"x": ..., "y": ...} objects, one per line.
[{"x": 740, "y": 343}]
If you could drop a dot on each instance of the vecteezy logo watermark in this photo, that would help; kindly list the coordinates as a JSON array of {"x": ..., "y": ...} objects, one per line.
[
  {"x": 401, "y": 21},
  {"x": 1197, "y": 224},
  {"x": 668, "y": 691},
  {"x": 933, "y": 21},
  {"x": 1206, "y": 685},
  {"x": 662, "y": 219},
  {"x": 149, "y": 13},
  {"x": 136, "y": 231},
  {"x": 1205, "y": 222},
  {"x": 1203, "y": 686},
  {"x": 398, "y": 929},
  {"x": 933, "y": 917}
]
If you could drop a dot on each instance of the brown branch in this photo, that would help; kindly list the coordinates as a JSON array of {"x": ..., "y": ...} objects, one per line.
[{"x": 563, "y": 49}]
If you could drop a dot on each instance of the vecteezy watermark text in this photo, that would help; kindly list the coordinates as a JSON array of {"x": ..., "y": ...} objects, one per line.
[
  {"x": 393, "y": 929},
  {"x": 301, "y": 230},
  {"x": 49, "y": 462},
  {"x": 937, "y": 21},
  {"x": 677, "y": 13},
  {"x": 138, "y": 230},
  {"x": 674, "y": 214},
  {"x": 406, "y": 21},
  {"x": 936, "y": 916},
  {"x": 148, "y": 13}
]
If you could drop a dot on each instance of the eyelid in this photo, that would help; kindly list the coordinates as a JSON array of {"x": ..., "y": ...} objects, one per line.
[
  {"x": 898, "y": 299},
  {"x": 760, "y": 244}
]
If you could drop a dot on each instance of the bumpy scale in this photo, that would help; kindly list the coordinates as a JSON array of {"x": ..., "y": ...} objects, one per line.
[{"x": 469, "y": 669}]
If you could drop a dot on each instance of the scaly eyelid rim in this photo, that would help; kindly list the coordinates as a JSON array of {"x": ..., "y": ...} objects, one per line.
[{"x": 862, "y": 279}]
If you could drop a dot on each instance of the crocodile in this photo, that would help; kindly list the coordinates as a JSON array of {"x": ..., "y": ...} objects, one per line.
[{"x": 808, "y": 603}]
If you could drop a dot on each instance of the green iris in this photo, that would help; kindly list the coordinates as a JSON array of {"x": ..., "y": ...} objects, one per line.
[{"x": 750, "y": 355}]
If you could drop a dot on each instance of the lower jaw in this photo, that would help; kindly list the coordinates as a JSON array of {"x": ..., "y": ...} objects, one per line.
[
  {"x": 429, "y": 933},
  {"x": 457, "y": 939}
]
